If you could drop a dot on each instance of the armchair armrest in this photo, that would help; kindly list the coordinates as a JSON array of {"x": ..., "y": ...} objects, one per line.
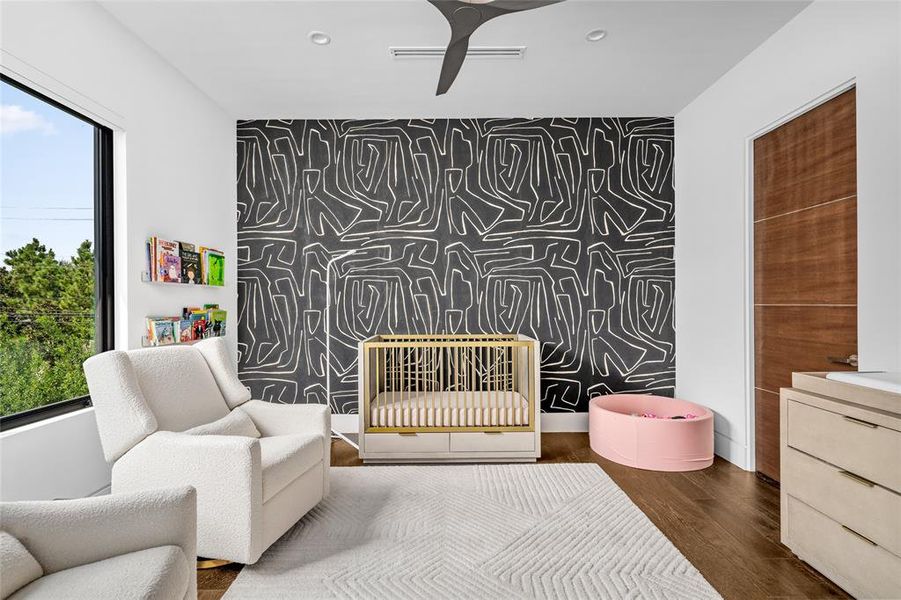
[
  {"x": 286, "y": 419},
  {"x": 225, "y": 470},
  {"x": 67, "y": 533}
]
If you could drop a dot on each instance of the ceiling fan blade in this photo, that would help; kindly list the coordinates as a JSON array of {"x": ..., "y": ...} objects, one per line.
[
  {"x": 453, "y": 60},
  {"x": 518, "y": 5},
  {"x": 464, "y": 18}
]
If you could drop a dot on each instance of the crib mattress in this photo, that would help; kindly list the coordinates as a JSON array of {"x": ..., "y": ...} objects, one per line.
[{"x": 448, "y": 409}]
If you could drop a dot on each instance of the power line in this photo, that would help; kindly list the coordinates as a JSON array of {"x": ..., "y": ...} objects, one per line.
[
  {"x": 48, "y": 207},
  {"x": 45, "y": 219}
]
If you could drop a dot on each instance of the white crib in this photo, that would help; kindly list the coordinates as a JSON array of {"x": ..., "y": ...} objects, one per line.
[{"x": 457, "y": 398}]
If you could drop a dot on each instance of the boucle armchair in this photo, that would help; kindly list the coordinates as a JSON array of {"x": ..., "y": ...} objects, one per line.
[
  {"x": 122, "y": 547},
  {"x": 179, "y": 415}
]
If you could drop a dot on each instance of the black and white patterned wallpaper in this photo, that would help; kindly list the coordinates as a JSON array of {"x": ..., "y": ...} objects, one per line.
[{"x": 561, "y": 229}]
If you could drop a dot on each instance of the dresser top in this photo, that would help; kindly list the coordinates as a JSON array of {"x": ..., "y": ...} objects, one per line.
[{"x": 818, "y": 383}]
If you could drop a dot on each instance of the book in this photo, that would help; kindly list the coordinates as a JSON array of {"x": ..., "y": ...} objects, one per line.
[
  {"x": 185, "y": 331},
  {"x": 168, "y": 261},
  {"x": 163, "y": 332},
  {"x": 148, "y": 258},
  {"x": 217, "y": 322},
  {"x": 190, "y": 263},
  {"x": 212, "y": 265},
  {"x": 198, "y": 324},
  {"x": 216, "y": 263}
]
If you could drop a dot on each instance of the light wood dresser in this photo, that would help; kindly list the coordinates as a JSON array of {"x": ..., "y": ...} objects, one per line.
[{"x": 841, "y": 482}]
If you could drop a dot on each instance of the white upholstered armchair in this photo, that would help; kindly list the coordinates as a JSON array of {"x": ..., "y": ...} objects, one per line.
[
  {"x": 179, "y": 415},
  {"x": 122, "y": 547}
]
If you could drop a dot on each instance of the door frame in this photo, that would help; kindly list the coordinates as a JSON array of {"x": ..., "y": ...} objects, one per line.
[{"x": 748, "y": 300}]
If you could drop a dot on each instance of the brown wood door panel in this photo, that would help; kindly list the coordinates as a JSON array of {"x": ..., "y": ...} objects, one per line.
[
  {"x": 809, "y": 160},
  {"x": 766, "y": 432},
  {"x": 800, "y": 338},
  {"x": 806, "y": 257}
]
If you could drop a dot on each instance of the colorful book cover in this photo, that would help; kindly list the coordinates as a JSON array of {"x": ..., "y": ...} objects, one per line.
[
  {"x": 168, "y": 261},
  {"x": 148, "y": 332},
  {"x": 185, "y": 331},
  {"x": 198, "y": 324},
  {"x": 190, "y": 263},
  {"x": 164, "y": 332},
  {"x": 216, "y": 268},
  {"x": 217, "y": 322},
  {"x": 154, "y": 267}
]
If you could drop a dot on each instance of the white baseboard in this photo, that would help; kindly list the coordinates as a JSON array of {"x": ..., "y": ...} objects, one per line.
[
  {"x": 550, "y": 422},
  {"x": 563, "y": 422},
  {"x": 727, "y": 448}
]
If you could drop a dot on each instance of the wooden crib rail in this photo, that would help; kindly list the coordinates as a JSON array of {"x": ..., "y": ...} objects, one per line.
[{"x": 449, "y": 382}]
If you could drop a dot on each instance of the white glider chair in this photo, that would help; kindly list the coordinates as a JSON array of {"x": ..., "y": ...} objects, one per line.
[
  {"x": 179, "y": 415},
  {"x": 122, "y": 547}
]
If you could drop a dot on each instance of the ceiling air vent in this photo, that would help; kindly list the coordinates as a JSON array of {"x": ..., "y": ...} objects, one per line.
[{"x": 472, "y": 52}]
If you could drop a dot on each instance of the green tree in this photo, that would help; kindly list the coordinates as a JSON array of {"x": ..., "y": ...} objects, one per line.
[
  {"x": 46, "y": 325},
  {"x": 35, "y": 277}
]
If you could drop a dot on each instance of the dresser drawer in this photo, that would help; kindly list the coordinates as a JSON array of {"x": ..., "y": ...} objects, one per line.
[
  {"x": 843, "y": 496},
  {"x": 869, "y": 450},
  {"x": 414, "y": 442},
  {"x": 505, "y": 441},
  {"x": 861, "y": 567}
]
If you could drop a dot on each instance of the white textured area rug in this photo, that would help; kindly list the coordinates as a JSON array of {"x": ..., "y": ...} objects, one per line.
[{"x": 473, "y": 531}]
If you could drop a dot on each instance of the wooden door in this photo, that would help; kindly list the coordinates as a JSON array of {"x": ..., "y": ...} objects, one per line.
[{"x": 805, "y": 257}]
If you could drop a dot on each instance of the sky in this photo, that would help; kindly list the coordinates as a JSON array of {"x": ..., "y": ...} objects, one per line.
[{"x": 46, "y": 175}]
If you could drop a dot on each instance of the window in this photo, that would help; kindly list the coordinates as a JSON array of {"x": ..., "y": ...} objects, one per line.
[{"x": 55, "y": 253}]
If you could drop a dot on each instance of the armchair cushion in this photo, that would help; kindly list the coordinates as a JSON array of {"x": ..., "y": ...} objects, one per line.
[
  {"x": 159, "y": 573},
  {"x": 123, "y": 416},
  {"x": 237, "y": 422},
  {"x": 17, "y": 565},
  {"x": 178, "y": 386},
  {"x": 215, "y": 352},
  {"x": 287, "y": 457}
]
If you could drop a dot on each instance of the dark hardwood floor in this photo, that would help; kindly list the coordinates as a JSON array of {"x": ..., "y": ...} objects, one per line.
[{"x": 723, "y": 519}]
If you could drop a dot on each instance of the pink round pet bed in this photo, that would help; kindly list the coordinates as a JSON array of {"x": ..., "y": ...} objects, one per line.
[{"x": 656, "y": 441}]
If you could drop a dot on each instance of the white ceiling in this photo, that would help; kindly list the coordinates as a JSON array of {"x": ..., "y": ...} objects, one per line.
[{"x": 254, "y": 59}]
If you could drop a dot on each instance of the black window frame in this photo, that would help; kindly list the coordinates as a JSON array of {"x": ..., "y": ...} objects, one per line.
[{"x": 104, "y": 301}]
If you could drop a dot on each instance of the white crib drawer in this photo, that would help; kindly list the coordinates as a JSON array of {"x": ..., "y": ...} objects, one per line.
[
  {"x": 415, "y": 442},
  {"x": 505, "y": 441}
]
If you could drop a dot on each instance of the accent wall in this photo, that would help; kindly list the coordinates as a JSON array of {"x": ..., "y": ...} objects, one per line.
[{"x": 561, "y": 229}]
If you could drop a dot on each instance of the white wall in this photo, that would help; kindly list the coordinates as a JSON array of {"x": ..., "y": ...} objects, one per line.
[
  {"x": 175, "y": 177},
  {"x": 824, "y": 47}
]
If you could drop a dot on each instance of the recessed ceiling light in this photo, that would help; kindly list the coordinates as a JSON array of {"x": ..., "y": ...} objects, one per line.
[
  {"x": 319, "y": 38},
  {"x": 596, "y": 35}
]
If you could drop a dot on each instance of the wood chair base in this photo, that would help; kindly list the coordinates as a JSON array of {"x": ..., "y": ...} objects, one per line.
[{"x": 211, "y": 563}]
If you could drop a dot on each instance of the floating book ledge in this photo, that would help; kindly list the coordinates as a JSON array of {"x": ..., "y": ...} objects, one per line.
[
  {"x": 146, "y": 278},
  {"x": 145, "y": 343}
]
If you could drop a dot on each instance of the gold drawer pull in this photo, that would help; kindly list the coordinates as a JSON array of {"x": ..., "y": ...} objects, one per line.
[
  {"x": 406, "y": 433},
  {"x": 859, "y": 422},
  {"x": 863, "y": 537},
  {"x": 857, "y": 478},
  {"x": 494, "y": 432}
]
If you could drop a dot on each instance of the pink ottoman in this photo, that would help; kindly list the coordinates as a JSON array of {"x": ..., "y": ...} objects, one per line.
[{"x": 661, "y": 444}]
